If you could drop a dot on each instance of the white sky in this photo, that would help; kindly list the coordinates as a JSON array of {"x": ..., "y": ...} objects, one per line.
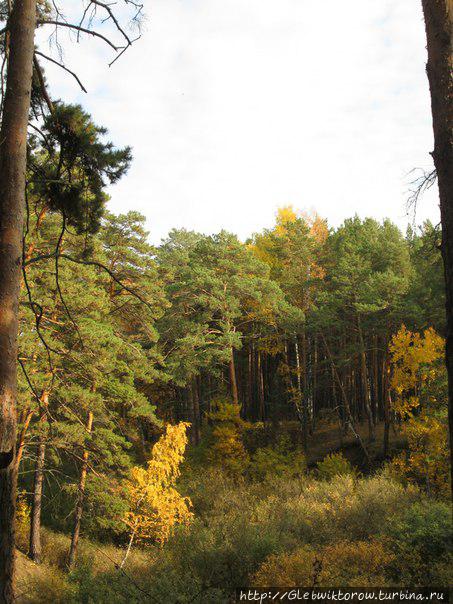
[{"x": 236, "y": 107}]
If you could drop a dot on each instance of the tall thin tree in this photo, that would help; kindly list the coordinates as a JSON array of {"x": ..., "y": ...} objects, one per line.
[{"x": 439, "y": 35}]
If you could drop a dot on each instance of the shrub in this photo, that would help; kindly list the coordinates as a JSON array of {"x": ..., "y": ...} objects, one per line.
[
  {"x": 421, "y": 537},
  {"x": 351, "y": 564},
  {"x": 427, "y": 460},
  {"x": 334, "y": 464},
  {"x": 227, "y": 450},
  {"x": 49, "y": 585},
  {"x": 22, "y": 522},
  {"x": 278, "y": 460},
  {"x": 321, "y": 512}
]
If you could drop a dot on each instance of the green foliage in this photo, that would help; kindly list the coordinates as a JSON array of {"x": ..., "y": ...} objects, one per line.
[
  {"x": 279, "y": 460},
  {"x": 137, "y": 335},
  {"x": 72, "y": 165},
  {"x": 49, "y": 585},
  {"x": 421, "y": 536},
  {"x": 334, "y": 464},
  {"x": 364, "y": 531}
]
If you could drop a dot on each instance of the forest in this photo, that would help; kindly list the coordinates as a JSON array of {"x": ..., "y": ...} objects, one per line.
[{"x": 209, "y": 413}]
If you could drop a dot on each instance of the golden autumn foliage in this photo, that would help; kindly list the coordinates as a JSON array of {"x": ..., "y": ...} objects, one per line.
[
  {"x": 269, "y": 247},
  {"x": 348, "y": 563},
  {"x": 419, "y": 383},
  {"x": 413, "y": 366},
  {"x": 287, "y": 214},
  {"x": 155, "y": 506},
  {"x": 427, "y": 458},
  {"x": 227, "y": 450}
]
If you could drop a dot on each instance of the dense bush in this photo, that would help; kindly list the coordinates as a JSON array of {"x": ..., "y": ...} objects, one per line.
[
  {"x": 334, "y": 464},
  {"x": 346, "y": 563},
  {"x": 277, "y": 461},
  {"x": 278, "y": 530},
  {"x": 421, "y": 537}
]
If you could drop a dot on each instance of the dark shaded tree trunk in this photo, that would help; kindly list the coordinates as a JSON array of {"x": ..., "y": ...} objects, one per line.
[
  {"x": 195, "y": 412},
  {"x": 80, "y": 501},
  {"x": 259, "y": 369},
  {"x": 386, "y": 401},
  {"x": 375, "y": 379},
  {"x": 13, "y": 159},
  {"x": 249, "y": 381},
  {"x": 365, "y": 383},
  {"x": 315, "y": 383},
  {"x": 347, "y": 408},
  {"x": 302, "y": 410},
  {"x": 35, "y": 523},
  {"x": 439, "y": 35}
]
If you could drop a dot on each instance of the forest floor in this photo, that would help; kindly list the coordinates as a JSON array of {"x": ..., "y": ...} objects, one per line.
[{"x": 328, "y": 438}]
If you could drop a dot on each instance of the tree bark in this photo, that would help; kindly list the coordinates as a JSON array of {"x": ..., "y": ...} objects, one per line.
[
  {"x": 347, "y": 408},
  {"x": 315, "y": 384},
  {"x": 259, "y": 369},
  {"x": 195, "y": 403},
  {"x": 35, "y": 525},
  {"x": 386, "y": 401},
  {"x": 233, "y": 381},
  {"x": 128, "y": 550},
  {"x": 13, "y": 159},
  {"x": 439, "y": 35},
  {"x": 302, "y": 413},
  {"x": 23, "y": 433},
  {"x": 80, "y": 501},
  {"x": 249, "y": 402},
  {"x": 364, "y": 381}
]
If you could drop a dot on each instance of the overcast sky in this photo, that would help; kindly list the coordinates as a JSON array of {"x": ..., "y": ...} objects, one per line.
[{"x": 236, "y": 107}]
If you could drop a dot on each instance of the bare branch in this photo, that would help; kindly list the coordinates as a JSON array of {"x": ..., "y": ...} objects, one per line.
[
  {"x": 74, "y": 75},
  {"x": 419, "y": 186},
  {"x": 42, "y": 84},
  {"x": 84, "y": 30},
  {"x": 111, "y": 16},
  {"x": 123, "y": 51},
  {"x": 57, "y": 280}
]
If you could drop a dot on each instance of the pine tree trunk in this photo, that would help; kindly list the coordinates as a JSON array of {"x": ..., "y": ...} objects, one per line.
[
  {"x": 375, "y": 373},
  {"x": 195, "y": 412},
  {"x": 80, "y": 501},
  {"x": 315, "y": 383},
  {"x": 21, "y": 440},
  {"x": 386, "y": 401},
  {"x": 249, "y": 382},
  {"x": 13, "y": 158},
  {"x": 365, "y": 384},
  {"x": 439, "y": 34},
  {"x": 259, "y": 367},
  {"x": 347, "y": 408},
  {"x": 302, "y": 412},
  {"x": 35, "y": 522},
  {"x": 233, "y": 381}
]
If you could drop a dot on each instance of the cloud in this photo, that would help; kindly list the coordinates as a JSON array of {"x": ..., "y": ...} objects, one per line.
[{"x": 234, "y": 108}]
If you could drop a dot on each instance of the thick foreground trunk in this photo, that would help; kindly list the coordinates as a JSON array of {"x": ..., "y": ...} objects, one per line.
[
  {"x": 439, "y": 34},
  {"x": 13, "y": 148}
]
